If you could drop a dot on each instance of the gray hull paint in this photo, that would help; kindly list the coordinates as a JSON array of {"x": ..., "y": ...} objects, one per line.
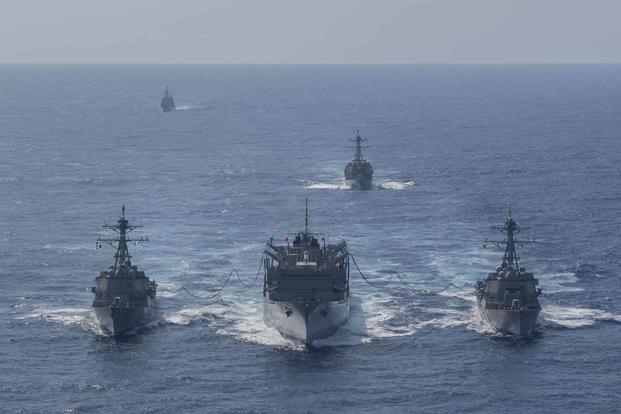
[
  {"x": 508, "y": 321},
  {"x": 306, "y": 322},
  {"x": 120, "y": 321}
]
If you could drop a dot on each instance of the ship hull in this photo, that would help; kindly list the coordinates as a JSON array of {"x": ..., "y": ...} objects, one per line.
[
  {"x": 168, "y": 105},
  {"x": 360, "y": 183},
  {"x": 121, "y": 321},
  {"x": 510, "y": 321},
  {"x": 306, "y": 321}
]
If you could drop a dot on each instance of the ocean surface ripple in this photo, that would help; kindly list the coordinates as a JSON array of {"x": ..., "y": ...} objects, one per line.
[{"x": 452, "y": 148}]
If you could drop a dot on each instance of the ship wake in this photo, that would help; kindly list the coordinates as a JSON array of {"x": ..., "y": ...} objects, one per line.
[
  {"x": 395, "y": 185},
  {"x": 373, "y": 317},
  {"x": 341, "y": 185},
  {"x": 197, "y": 107},
  {"x": 78, "y": 317},
  {"x": 551, "y": 317},
  {"x": 573, "y": 317}
]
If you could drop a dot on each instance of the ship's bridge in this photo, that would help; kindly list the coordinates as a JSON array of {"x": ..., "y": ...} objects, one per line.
[
  {"x": 305, "y": 251},
  {"x": 505, "y": 272}
]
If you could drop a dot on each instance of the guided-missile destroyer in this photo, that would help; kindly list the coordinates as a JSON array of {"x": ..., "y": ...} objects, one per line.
[
  {"x": 124, "y": 296},
  {"x": 508, "y": 298},
  {"x": 167, "y": 103},
  {"x": 359, "y": 172},
  {"x": 306, "y": 286}
]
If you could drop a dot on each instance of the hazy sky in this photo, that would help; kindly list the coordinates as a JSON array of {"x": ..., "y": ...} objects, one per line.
[{"x": 310, "y": 31}]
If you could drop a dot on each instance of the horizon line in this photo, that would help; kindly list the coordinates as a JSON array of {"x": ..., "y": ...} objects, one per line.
[{"x": 491, "y": 63}]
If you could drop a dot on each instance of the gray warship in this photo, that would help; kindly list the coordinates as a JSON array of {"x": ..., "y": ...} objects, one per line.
[
  {"x": 359, "y": 172},
  {"x": 167, "y": 103},
  {"x": 508, "y": 298},
  {"x": 124, "y": 296},
  {"x": 306, "y": 286}
]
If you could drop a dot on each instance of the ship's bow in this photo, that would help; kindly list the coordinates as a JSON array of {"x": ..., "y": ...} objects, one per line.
[
  {"x": 306, "y": 321},
  {"x": 118, "y": 321}
]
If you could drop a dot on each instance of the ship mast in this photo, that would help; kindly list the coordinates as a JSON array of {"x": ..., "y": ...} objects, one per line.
[
  {"x": 306, "y": 218},
  {"x": 122, "y": 256},
  {"x": 510, "y": 228},
  {"x": 358, "y": 140}
]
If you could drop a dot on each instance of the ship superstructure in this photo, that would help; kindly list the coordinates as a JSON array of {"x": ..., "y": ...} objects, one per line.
[
  {"x": 359, "y": 172},
  {"x": 306, "y": 286},
  {"x": 508, "y": 298},
  {"x": 124, "y": 296},
  {"x": 167, "y": 103}
]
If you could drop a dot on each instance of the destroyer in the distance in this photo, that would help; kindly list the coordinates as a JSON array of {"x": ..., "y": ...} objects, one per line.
[
  {"x": 359, "y": 172},
  {"x": 124, "y": 296},
  {"x": 306, "y": 286},
  {"x": 508, "y": 298},
  {"x": 167, "y": 103}
]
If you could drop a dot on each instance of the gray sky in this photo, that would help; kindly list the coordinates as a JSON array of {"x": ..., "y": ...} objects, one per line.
[{"x": 310, "y": 31}]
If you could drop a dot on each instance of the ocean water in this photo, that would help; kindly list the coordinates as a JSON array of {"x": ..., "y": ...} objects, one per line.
[{"x": 452, "y": 147}]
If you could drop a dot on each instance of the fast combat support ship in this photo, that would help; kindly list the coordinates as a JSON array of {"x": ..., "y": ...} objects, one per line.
[
  {"x": 359, "y": 172},
  {"x": 508, "y": 298},
  {"x": 167, "y": 103},
  {"x": 124, "y": 296},
  {"x": 306, "y": 286}
]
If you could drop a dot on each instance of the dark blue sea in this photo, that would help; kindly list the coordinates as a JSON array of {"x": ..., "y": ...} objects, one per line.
[{"x": 452, "y": 147}]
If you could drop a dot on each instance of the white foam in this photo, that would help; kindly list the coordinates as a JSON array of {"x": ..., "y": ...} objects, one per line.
[
  {"x": 167, "y": 290},
  {"x": 243, "y": 320},
  {"x": 83, "y": 318},
  {"x": 551, "y": 316},
  {"x": 192, "y": 107},
  {"x": 466, "y": 295},
  {"x": 68, "y": 247},
  {"x": 477, "y": 324},
  {"x": 328, "y": 186},
  {"x": 248, "y": 325},
  {"x": 571, "y": 317},
  {"x": 395, "y": 185},
  {"x": 369, "y": 319},
  {"x": 341, "y": 185},
  {"x": 449, "y": 321},
  {"x": 167, "y": 294},
  {"x": 185, "y": 317}
]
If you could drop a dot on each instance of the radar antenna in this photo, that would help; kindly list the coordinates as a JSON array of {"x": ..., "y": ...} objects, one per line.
[
  {"x": 122, "y": 256},
  {"x": 510, "y": 228},
  {"x": 358, "y": 140}
]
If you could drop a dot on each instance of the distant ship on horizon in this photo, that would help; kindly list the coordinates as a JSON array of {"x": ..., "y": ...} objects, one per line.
[
  {"x": 359, "y": 172},
  {"x": 167, "y": 103}
]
